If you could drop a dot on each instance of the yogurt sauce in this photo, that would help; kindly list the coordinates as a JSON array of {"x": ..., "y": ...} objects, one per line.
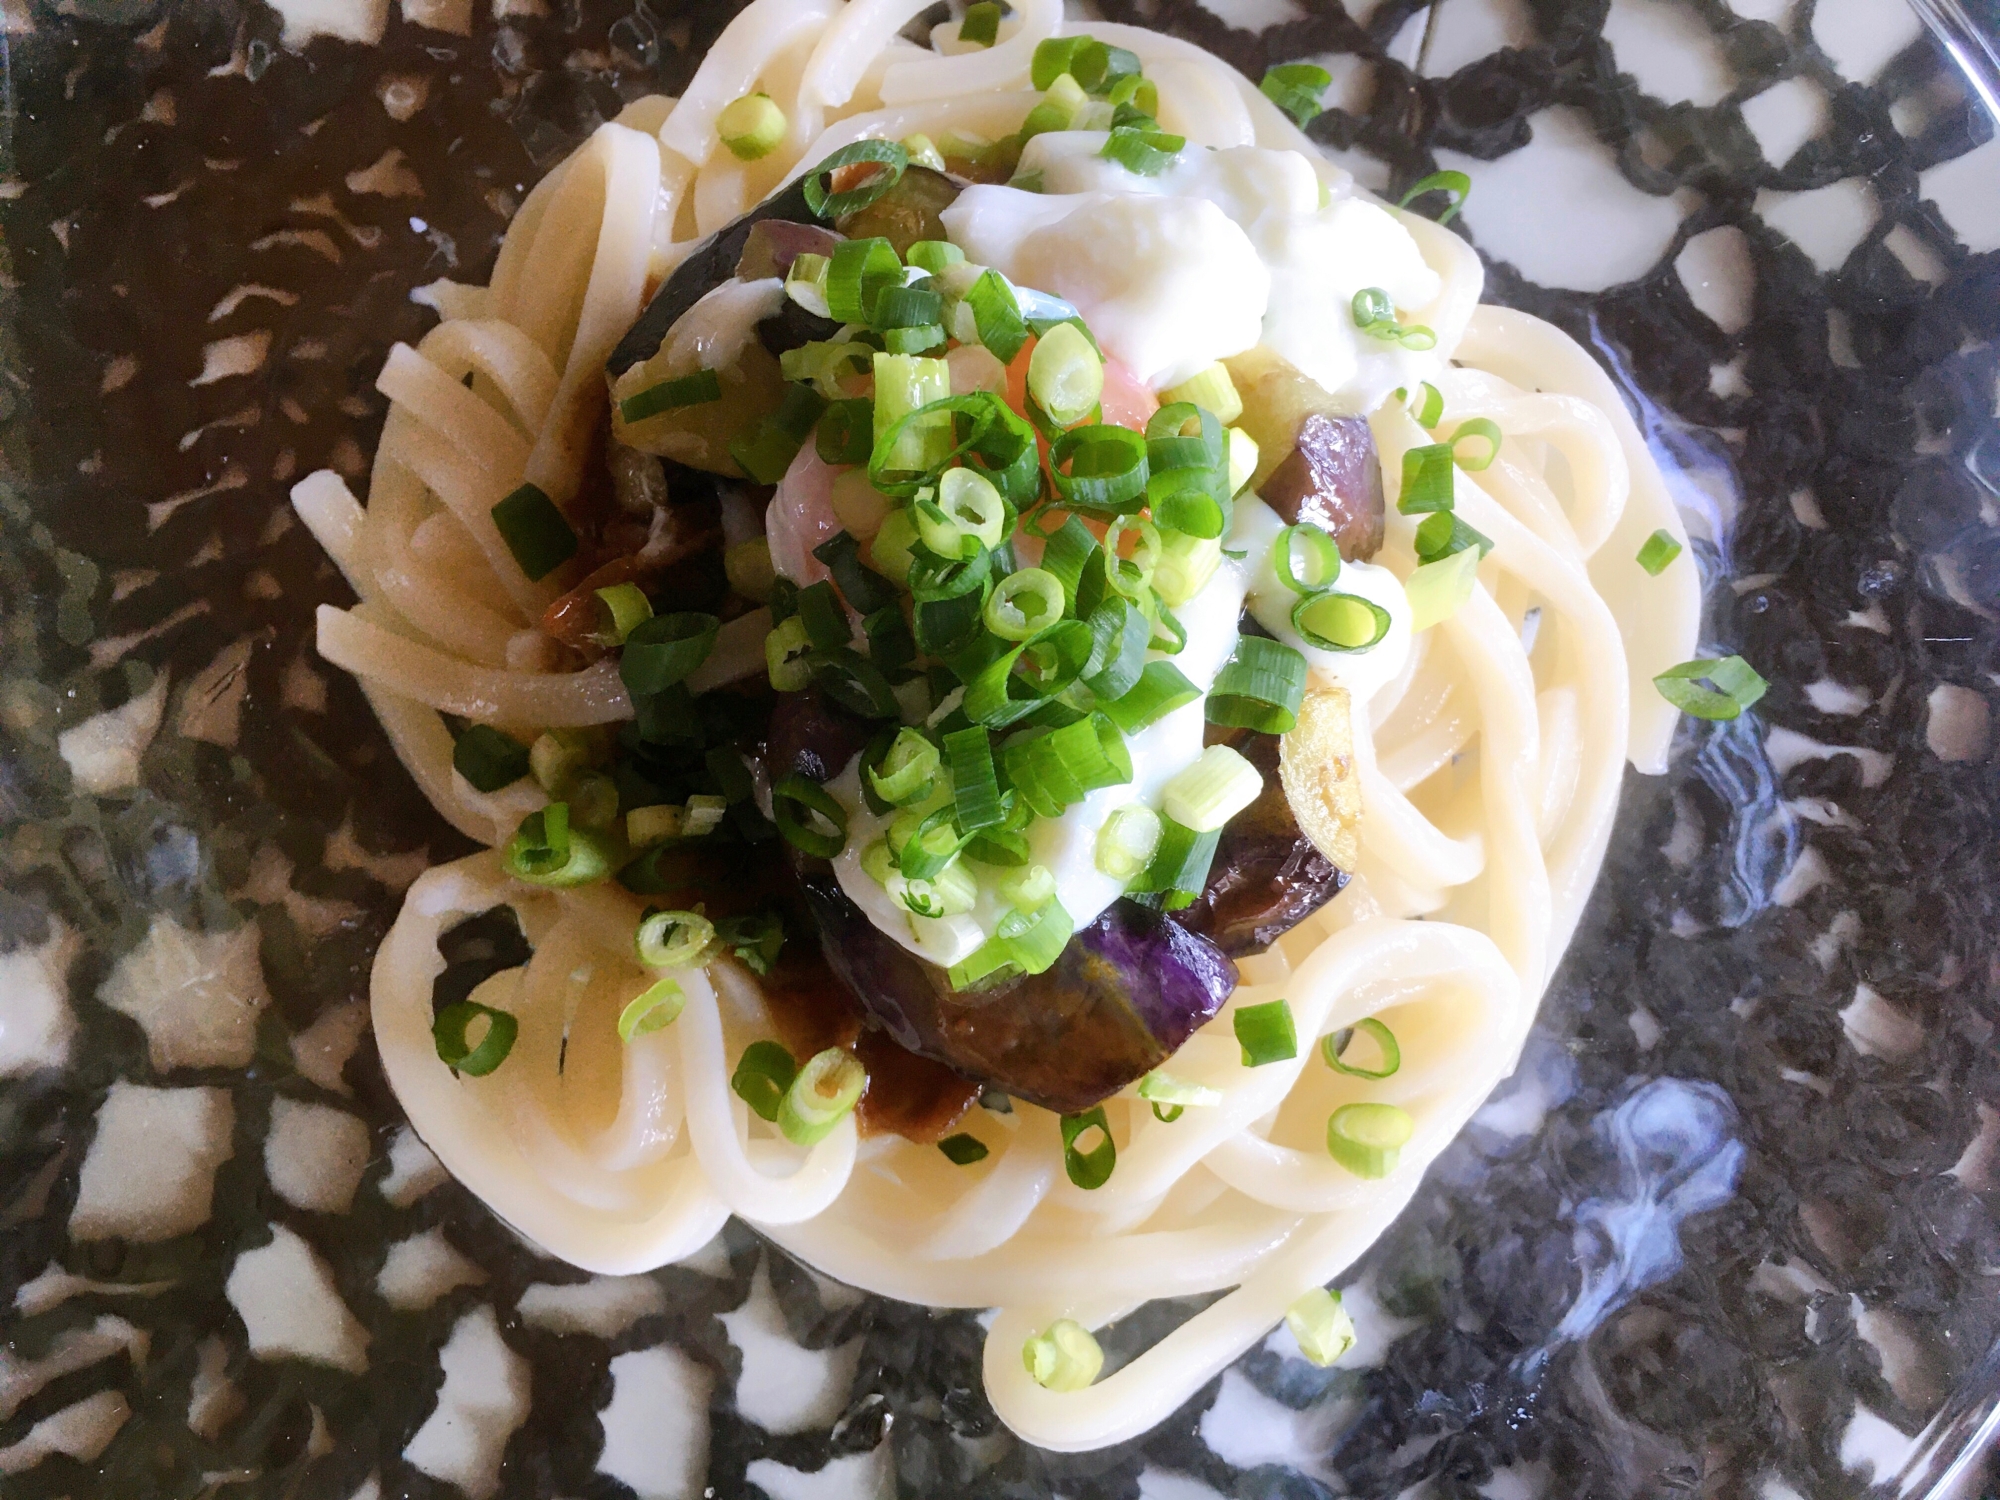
[{"x": 1223, "y": 250}]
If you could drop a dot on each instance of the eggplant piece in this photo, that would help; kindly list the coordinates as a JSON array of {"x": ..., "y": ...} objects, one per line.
[
  {"x": 792, "y": 327},
  {"x": 812, "y": 735},
  {"x": 1333, "y": 479},
  {"x": 1268, "y": 876},
  {"x": 908, "y": 212},
  {"x": 1126, "y": 993},
  {"x": 704, "y": 269},
  {"x": 773, "y": 244}
]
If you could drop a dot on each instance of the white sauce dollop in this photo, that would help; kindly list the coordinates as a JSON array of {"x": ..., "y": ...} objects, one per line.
[{"x": 1220, "y": 252}]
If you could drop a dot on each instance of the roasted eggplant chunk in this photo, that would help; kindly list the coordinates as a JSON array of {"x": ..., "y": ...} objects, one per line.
[{"x": 1316, "y": 462}]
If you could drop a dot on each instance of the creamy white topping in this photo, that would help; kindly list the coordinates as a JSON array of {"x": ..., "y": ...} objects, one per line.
[
  {"x": 1221, "y": 251},
  {"x": 713, "y": 334}
]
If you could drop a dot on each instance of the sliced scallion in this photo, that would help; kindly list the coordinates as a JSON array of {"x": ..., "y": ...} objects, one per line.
[
  {"x": 1306, "y": 558},
  {"x": 1428, "y": 484},
  {"x": 975, "y": 784},
  {"x": 1064, "y": 1357},
  {"x": 963, "y": 1150},
  {"x": 1162, "y": 687},
  {"x": 1089, "y": 1153},
  {"x": 980, "y": 28},
  {"x": 1260, "y": 687},
  {"x": 1438, "y": 590},
  {"x": 662, "y": 651},
  {"x": 822, "y": 1095},
  {"x": 698, "y": 389},
  {"x": 763, "y": 1075},
  {"x": 451, "y": 1032},
  {"x": 546, "y": 851},
  {"x": 1479, "y": 430},
  {"x": 1367, "y": 1139},
  {"x": 1126, "y": 842},
  {"x": 1321, "y": 1326},
  {"x": 657, "y": 1006},
  {"x": 535, "y": 531},
  {"x": 1065, "y": 374},
  {"x": 488, "y": 759},
  {"x": 1164, "y": 1088},
  {"x": 1179, "y": 869},
  {"x": 1266, "y": 1033},
  {"x": 1454, "y": 185},
  {"x": 1218, "y": 786},
  {"x": 1734, "y": 685},
  {"x": 996, "y": 316},
  {"x": 890, "y": 157},
  {"x": 1333, "y": 1047},
  {"x": 1333, "y": 621},
  {"x": 808, "y": 816},
  {"x": 1024, "y": 604},
  {"x": 1298, "y": 89},
  {"x": 751, "y": 126},
  {"x": 673, "y": 939},
  {"x": 1660, "y": 550},
  {"x": 786, "y": 648},
  {"x": 621, "y": 609},
  {"x": 1212, "y": 390},
  {"x": 908, "y": 772}
]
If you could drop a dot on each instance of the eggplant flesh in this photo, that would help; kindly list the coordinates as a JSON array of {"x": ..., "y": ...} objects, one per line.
[
  {"x": 1126, "y": 993},
  {"x": 1268, "y": 876},
  {"x": 1332, "y": 479}
]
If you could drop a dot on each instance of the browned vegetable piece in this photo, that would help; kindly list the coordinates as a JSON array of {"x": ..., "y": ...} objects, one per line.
[
  {"x": 1333, "y": 480},
  {"x": 773, "y": 244},
  {"x": 699, "y": 436},
  {"x": 1316, "y": 460},
  {"x": 908, "y": 212},
  {"x": 1267, "y": 876},
  {"x": 1321, "y": 780}
]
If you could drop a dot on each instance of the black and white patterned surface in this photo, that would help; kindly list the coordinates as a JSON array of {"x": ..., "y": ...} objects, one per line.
[{"x": 1731, "y": 1229}]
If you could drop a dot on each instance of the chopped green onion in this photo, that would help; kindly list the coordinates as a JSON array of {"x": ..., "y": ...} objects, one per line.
[
  {"x": 975, "y": 784},
  {"x": 1454, "y": 185},
  {"x": 622, "y": 608},
  {"x": 698, "y": 389},
  {"x": 1736, "y": 686},
  {"x": 1442, "y": 533},
  {"x": 747, "y": 566},
  {"x": 1144, "y": 152},
  {"x": 854, "y": 682},
  {"x": 786, "y": 649},
  {"x": 1089, "y": 1167},
  {"x": 1430, "y": 409},
  {"x": 1035, "y": 940},
  {"x": 756, "y": 939},
  {"x": 458, "y": 1053},
  {"x": 892, "y": 551},
  {"x": 1428, "y": 484},
  {"x": 808, "y": 816},
  {"x": 877, "y": 863},
  {"x": 906, "y": 384},
  {"x": 1306, "y": 558},
  {"x": 1052, "y": 769},
  {"x": 1375, "y": 315},
  {"x": 1100, "y": 469},
  {"x": 1179, "y": 869},
  {"x": 1064, "y": 1357},
  {"x": 654, "y": 824},
  {"x": 1438, "y": 590},
  {"x": 1065, "y": 374},
  {"x": 1297, "y": 89},
  {"x": 888, "y": 155},
  {"x": 865, "y": 589},
  {"x": 658, "y": 1005},
  {"x": 825, "y": 621},
  {"x": 558, "y": 755},
  {"x": 762, "y": 1077},
  {"x": 1260, "y": 687},
  {"x": 996, "y": 316},
  {"x": 535, "y": 531},
  {"x": 546, "y": 851},
  {"x": 1162, "y": 687},
  {"x": 1024, "y": 604},
  {"x": 1218, "y": 786},
  {"x": 672, "y": 939},
  {"x": 822, "y": 1095},
  {"x": 1266, "y": 1033},
  {"x": 934, "y": 256},
  {"x": 1131, "y": 576},
  {"x": 805, "y": 284},
  {"x": 488, "y": 759},
  {"x": 1340, "y": 622},
  {"x": 1333, "y": 1047},
  {"x": 1478, "y": 429},
  {"x": 1119, "y": 635},
  {"x": 1186, "y": 564},
  {"x": 1164, "y": 1088},
  {"x": 968, "y": 515},
  {"x": 980, "y": 28},
  {"x": 1126, "y": 842},
  {"x": 963, "y": 1150},
  {"x": 846, "y": 431},
  {"x": 663, "y": 650},
  {"x": 951, "y": 892},
  {"x": 908, "y": 771},
  {"x": 924, "y": 841},
  {"x": 1029, "y": 890},
  {"x": 1368, "y": 1138},
  {"x": 1211, "y": 389},
  {"x": 857, "y": 275},
  {"x": 1166, "y": 1114},
  {"x": 751, "y": 126},
  {"x": 909, "y": 319},
  {"x": 1660, "y": 550},
  {"x": 923, "y": 153},
  {"x": 1094, "y": 65},
  {"x": 1321, "y": 1326}
]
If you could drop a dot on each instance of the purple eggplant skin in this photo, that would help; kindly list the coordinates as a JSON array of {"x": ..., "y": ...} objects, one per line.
[
  {"x": 1267, "y": 876},
  {"x": 1126, "y": 993},
  {"x": 1332, "y": 479},
  {"x": 813, "y": 736}
]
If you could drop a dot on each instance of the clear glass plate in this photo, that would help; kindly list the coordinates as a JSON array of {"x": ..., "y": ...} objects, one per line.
[{"x": 1729, "y": 1230}]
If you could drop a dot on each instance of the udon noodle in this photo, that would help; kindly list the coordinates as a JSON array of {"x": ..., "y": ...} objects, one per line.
[{"x": 1490, "y": 771}]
